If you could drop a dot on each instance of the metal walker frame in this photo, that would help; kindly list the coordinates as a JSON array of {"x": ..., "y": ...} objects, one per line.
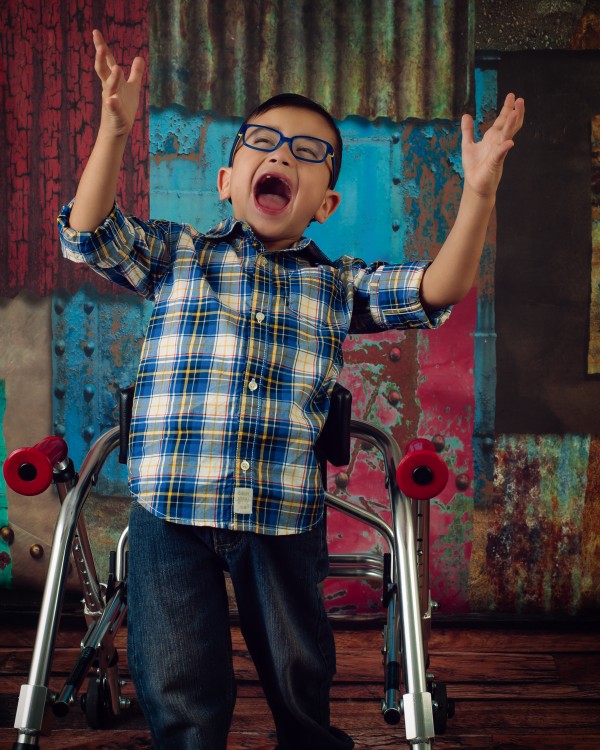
[{"x": 409, "y": 690}]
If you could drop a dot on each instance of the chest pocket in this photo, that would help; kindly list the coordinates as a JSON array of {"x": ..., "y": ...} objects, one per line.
[{"x": 316, "y": 296}]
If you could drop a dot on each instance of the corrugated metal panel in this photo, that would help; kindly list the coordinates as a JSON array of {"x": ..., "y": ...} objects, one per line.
[
  {"x": 49, "y": 115},
  {"x": 374, "y": 58}
]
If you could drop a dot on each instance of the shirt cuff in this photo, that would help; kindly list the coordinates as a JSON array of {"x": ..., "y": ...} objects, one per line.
[
  {"x": 395, "y": 293},
  {"x": 91, "y": 246}
]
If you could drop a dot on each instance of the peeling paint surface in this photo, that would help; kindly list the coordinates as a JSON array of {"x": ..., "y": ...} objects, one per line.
[
  {"x": 96, "y": 345},
  {"x": 533, "y": 546},
  {"x": 49, "y": 114}
]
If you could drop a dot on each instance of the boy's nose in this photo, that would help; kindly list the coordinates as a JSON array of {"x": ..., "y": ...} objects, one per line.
[{"x": 282, "y": 154}]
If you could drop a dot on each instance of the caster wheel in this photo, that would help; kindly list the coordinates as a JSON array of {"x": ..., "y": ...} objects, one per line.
[
  {"x": 443, "y": 709},
  {"x": 96, "y": 704}
]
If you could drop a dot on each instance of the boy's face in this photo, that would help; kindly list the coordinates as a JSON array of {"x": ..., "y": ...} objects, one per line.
[{"x": 274, "y": 192}]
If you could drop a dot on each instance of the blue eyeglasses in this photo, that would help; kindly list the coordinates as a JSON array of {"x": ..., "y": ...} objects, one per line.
[{"x": 304, "y": 147}]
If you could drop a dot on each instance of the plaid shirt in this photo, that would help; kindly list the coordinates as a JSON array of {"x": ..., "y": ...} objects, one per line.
[{"x": 241, "y": 353}]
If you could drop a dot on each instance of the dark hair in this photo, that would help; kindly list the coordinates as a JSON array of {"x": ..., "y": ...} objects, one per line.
[{"x": 303, "y": 102}]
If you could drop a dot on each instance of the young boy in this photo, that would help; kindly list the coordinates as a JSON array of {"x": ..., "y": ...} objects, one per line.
[{"x": 241, "y": 353}]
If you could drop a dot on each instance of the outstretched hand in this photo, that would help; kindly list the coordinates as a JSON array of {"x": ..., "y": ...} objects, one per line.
[
  {"x": 120, "y": 96},
  {"x": 483, "y": 160}
]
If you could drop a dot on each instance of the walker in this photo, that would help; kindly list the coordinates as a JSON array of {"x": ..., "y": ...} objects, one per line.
[{"x": 410, "y": 691}]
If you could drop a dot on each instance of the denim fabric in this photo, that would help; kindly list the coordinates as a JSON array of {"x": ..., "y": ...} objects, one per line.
[{"x": 179, "y": 641}]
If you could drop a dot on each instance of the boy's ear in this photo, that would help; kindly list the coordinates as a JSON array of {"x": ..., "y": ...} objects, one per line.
[
  {"x": 223, "y": 183},
  {"x": 330, "y": 202}
]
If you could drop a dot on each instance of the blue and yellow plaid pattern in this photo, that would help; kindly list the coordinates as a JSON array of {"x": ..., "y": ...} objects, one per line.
[{"x": 241, "y": 353}]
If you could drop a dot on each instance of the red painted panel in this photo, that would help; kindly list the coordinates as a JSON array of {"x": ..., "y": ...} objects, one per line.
[{"x": 49, "y": 113}]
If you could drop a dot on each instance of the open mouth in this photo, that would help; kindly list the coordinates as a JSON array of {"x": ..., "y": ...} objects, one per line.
[{"x": 272, "y": 193}]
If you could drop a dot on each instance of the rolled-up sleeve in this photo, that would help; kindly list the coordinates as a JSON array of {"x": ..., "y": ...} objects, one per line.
[
  {"x": 388, "y": 296},
  {"x": 122, "y": 249}
]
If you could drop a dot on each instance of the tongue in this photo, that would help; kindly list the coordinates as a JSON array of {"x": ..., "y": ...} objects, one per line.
[{"x": 272, "y": 201}]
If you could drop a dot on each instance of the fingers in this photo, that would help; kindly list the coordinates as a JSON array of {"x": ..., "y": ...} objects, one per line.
[
  {"x": 512, "y": 114},
  {"x": 467, "y": 127},
  {"x": 105, "y": 64},
  {"x": 104, "y": 61},
  {"x": 137, "y": 70}
]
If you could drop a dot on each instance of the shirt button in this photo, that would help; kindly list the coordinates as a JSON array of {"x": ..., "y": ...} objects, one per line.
[
  {"x": 244, "y": 466},
  {"x": 260, "y": 317},
  {"x": 253, "y": 385}
]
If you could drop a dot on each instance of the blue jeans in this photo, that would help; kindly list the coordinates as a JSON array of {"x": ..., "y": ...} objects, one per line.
[{"x": 179, "y": 641}]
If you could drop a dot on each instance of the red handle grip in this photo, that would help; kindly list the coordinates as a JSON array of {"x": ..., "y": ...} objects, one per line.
[
  {"x": 421, "y": 474},
  {"x": 28, "y": 471}
]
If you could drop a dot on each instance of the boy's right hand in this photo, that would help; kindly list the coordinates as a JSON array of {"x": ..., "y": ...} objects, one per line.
[{"x": 120, "y": 96}]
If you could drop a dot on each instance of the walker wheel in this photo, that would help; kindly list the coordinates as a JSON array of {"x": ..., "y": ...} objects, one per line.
[
  {"x": 443, "y": 708},
  {"x": 96, "y": 704}
]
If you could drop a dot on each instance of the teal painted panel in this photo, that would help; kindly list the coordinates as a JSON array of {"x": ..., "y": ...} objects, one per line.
[
  {"x": 382, "y": 210},
  {"x": 5, "y": 556},
  {"x": 96, "y": 345},
  {"x": 486, "y": 95}
]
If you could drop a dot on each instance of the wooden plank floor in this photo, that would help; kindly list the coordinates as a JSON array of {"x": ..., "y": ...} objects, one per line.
[{"x": 516, "y": 688}]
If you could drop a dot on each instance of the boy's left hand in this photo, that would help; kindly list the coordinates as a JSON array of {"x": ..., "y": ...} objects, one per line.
[{"x": 483, "y": 160}]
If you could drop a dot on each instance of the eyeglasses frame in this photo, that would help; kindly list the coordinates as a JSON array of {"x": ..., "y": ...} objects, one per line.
[{"x": 240, "y": 140}]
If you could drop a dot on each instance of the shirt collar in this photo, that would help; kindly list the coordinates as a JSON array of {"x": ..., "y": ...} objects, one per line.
[{"x": 231, "y": 226}]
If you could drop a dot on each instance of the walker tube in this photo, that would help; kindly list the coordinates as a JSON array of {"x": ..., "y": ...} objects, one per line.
[
  {"x": 28, "y": 471},
  {"x": 30, "y": 710},
  {"x": 416, "y": 702}
]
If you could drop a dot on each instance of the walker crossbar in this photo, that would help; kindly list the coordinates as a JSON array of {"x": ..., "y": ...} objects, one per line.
[{"x": 403, "y": 570}]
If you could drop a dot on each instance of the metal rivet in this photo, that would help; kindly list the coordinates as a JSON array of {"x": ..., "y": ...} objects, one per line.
[
  {"x": 59, "y": 306},
  {"x": 396, "y": 180},
  {"x": 488, "y": 444},
  {"x": 59, "y": 430},
  {"x": 395, "y": 225},
  {"x": 60, "y": 347},
  {"x": 89, "y": 392},
  {"x": 395, "y": 354},
  {"x": 36, "y": 551},
  {"x": 7, "y": 534},
  {"x": 462, "y": 481},
  {"x": 88, "y": 307},
  {"x": 438, "y": 442},
  {"x": 393, "y": 397},
  {"x": 396, "y": 138},
  {"x": 89, "y": 348},
  {"x": 342, "y": 480},
  {"x": 59, "y": 391},
  {"x": 88, "y": 433}
]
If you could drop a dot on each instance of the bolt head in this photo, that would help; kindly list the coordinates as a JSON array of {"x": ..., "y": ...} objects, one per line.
[{"x": 7, "y": 534}]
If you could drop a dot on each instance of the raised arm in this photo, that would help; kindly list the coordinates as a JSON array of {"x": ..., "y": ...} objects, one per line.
[
  {"x": 120, "y": 101},
  {"x": 451, "y": 275}
]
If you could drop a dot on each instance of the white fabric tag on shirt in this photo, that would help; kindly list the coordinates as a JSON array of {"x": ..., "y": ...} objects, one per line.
[{"x": 242, "y": 500}]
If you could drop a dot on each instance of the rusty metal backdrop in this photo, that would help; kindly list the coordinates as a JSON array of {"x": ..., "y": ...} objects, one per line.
[
  {"x": 373, "y": 58},
  {"x": 49, "y": 114}
]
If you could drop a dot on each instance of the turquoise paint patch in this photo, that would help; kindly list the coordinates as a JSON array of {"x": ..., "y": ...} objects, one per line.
[
  {"x": 5, "y": 556},
  {"x": 187, "y": 151},
  {"x": 486, "y": 95},
  {"x": 456, "y": 162},
  {"x": 96, "y": 344}
]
